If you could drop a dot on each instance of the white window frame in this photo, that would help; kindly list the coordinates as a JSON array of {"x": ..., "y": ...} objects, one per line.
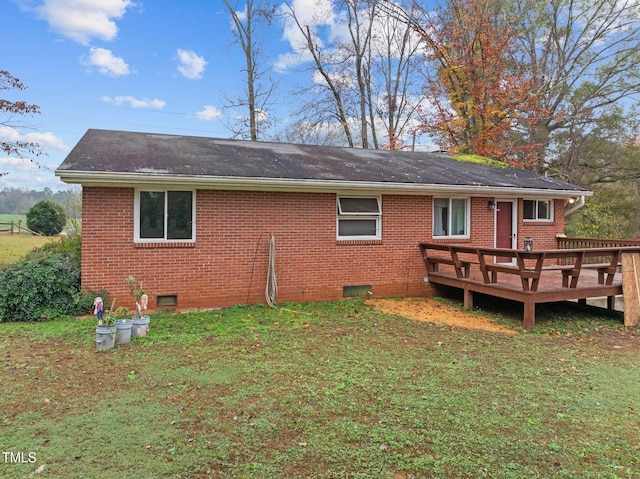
[
  {"x": 340, "y": 215},
  {"x": 536, "y": 209},
  {"x": 467, "y": 214},
  {"x": 136, "y": 221}
]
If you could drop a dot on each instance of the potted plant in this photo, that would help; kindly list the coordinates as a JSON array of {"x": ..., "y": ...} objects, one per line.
[
  {"x": 140, "y": 320},
  {"x": 105, "y": 330}
]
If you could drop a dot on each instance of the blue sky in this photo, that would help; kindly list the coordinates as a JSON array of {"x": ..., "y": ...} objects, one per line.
[{"x": 158, "y": 66}]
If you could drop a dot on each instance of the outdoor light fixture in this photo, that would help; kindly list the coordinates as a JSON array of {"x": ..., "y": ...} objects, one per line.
[
  {"x": 528, "y": 243},
  {"x": 491, "y": 205}
]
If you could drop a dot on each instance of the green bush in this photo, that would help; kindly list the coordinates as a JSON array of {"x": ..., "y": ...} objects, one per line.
[
  {"x": 44, "y": 284},
  {"x": 47, "y": 218}
]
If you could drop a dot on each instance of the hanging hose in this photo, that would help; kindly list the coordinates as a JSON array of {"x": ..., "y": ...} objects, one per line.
[{"x": 271, "y": 290}]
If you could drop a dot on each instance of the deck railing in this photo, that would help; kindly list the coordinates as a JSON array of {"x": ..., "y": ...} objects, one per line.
[
  {"x": 591, "y": 243},
  {"x": 528, "y": 265},
  {"x": 578, "y": 243}
]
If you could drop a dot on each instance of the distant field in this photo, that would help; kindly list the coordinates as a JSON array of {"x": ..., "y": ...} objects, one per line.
[
  {"x": 15, "y": 246},
  {"x": 8, "y": 219},
  {"x": 72, "y": 224}
]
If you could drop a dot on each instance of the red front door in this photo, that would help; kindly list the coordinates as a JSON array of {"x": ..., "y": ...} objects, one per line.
[{"x": 504, "y": 227}]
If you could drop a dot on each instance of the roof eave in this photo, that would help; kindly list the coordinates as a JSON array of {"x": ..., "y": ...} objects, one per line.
[{"x": 302, "y": 185}]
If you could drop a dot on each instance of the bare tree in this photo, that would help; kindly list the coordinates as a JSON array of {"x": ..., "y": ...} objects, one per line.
[
  {"x": 361, "y": 73},
  {"x": 586, "y": 56},
  {"x": 329, "y": 83},
  {"x": 360, "y": 22},
  {"x": 257, "y": 94},
  {"x": 396, "y": 59},
  {"x": 9, "y": 111}
]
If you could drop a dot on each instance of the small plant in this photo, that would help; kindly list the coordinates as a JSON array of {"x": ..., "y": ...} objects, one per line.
[
  {"x": 135, "y": 287},
  {"x": 140, "y": 297},
  {"x": 121, "y": 312}
]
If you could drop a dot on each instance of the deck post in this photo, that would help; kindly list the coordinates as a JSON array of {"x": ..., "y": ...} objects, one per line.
[
  {"x": 611, "y": 303},
  {"x": 631, "y": 288},
  {"x": 529, "y": 314},
  {"x": 468, "y": 299}
]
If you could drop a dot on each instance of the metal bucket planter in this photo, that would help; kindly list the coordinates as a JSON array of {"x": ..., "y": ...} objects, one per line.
[
  {"x": 105, "y": 337},
  {"x": 123, "y": 331},
  {"x": 140, "y": 326}
]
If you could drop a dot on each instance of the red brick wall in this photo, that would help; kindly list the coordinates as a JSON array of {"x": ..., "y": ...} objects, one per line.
[
  {"x": 228, "y": 262},
  {"x": 543, "y": 233}
]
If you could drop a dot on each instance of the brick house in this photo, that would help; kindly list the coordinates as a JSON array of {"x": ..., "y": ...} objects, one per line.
[{"x": 193, "y": 217}]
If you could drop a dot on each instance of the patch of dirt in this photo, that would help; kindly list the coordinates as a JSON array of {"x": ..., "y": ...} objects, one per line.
[{"x": 431, "y": 311}]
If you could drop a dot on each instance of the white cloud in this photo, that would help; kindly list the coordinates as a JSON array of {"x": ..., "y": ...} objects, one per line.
[
  {"x": 82, "y": 20},
  {"x": 34, "y": 172},
  {"x": 18, "y": 165},
  {"x": 309, "y": 13},
  {"x": 209, "y": 112},
  {"x": 106, "y": 63},
  {"x": 340, "y": 79},
  {"x": 242, "y": 16},
  {"x": 28, "y": 174},
  {"x": 44, "y": 140},
  {"x": 288, "y": 61},
  {"x": 134, "y": 102},
  {"x": 191, "y": 64},
  {"x": 328, "y": 24}
]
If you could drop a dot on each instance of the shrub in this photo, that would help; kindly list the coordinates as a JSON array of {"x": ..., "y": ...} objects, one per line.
[
  {"x": 47, "y": 218},
  {"x": 44, "y": 284}
]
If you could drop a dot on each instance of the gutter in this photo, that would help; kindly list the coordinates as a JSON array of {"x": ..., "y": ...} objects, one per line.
[
  {"x": 304, "y": 185},
  {"x": 575, "y": 207}
]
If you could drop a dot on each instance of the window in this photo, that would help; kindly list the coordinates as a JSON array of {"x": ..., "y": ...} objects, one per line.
[
  {"x": 450, "y": 217},
  {"x": 538, "y": 210},
  {"x": 165, "y": 215},
  {"x": 359, "y": 217}
]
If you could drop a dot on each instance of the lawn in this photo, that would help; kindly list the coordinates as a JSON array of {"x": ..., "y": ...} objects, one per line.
[
  {"x": 6, "y": 218},
  {"x": 15, "y": 246},
  {"x": 328, "y": 390}
]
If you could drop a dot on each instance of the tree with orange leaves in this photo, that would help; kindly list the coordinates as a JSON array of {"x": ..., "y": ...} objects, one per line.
[{"x": 479, "y": 93}]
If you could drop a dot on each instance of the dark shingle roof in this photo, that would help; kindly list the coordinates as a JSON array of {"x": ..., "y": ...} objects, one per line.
[{"x": 106, "y": 152}]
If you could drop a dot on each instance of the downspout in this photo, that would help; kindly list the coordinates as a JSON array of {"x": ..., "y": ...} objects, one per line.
[{"x": 575, "y": 207}]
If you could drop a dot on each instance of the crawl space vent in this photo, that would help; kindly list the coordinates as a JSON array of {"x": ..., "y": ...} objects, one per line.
[
  {"x": 358, "y": 291},
  {"x": 167, "y": 300}
]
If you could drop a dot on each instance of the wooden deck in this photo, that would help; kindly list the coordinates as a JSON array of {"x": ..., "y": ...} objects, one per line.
[{"x": 529, "y": 277}]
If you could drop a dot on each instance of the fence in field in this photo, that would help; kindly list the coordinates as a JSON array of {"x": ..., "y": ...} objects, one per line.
[{"x": 12, "y": 227}]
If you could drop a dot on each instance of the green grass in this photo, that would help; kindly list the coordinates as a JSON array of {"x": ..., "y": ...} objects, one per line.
[
  {"x": 329, "y": 390},
  {"x": 15, "y": 246},
  {"x": 6, "y": 218}
]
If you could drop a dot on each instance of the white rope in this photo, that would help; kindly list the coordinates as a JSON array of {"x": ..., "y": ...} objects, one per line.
[{"x": 271, "y": 290}]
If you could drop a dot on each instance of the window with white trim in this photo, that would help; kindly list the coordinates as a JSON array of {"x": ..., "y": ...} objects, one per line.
[
  {"x": 165, "y": 215},
  {"x": 538, "y": 210},
  {"x": 359, "y": 217},
  {"x": 451, "y": 217}
]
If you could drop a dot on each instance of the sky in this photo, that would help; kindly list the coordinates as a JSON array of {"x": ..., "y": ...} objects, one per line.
[{"x": 161, "y": 66}]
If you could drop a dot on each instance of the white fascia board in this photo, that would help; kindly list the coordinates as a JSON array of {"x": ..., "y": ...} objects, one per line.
[{"x": 304, "y": 185}]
